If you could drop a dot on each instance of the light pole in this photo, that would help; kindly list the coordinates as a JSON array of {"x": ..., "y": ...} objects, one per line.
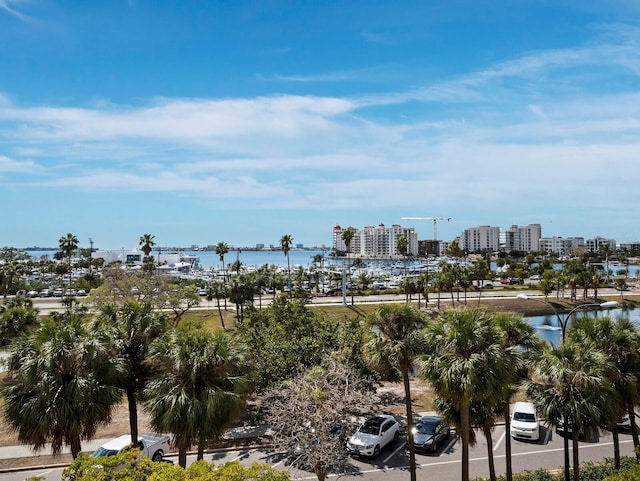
[{"x": 562, "y": 323}]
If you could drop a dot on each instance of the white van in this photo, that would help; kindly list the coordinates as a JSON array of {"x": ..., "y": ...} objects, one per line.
[{"x": 524, "y": 422}]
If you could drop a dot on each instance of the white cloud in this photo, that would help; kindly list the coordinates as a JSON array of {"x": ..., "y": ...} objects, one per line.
[
  {"x": 18, "y": 166},
  {"x": 8, "y": 6}
]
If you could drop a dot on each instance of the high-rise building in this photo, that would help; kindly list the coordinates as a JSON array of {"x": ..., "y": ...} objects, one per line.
[
  {"x": 379, "y": 241},
  {"x": 480, "y": 239},
  {"x": 523, "y": 238}
]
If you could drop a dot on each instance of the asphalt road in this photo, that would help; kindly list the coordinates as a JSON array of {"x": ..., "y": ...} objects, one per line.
[{"x": 444, "y": 465}]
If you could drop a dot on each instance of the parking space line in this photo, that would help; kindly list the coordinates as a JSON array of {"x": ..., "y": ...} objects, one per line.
[
  {"x": 495, "y": 446},
  {"x": 394, "y": 453}
]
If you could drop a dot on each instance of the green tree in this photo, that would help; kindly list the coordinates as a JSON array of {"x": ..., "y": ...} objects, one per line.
[
  {"x": 285, "y": 244},
  {"x": 619, "y": 341},
  {"x": 285, "y": 337},
  {"x": 147, "y": 242},
  {"x": 466, "y": 361},
  {"x": 198, "y": 390},
  {"x": 571, "y": 383},
  {"x": 132, "y": 328},
  {"x": 17, "y": 315},
  {"x": 393, "y": 342},
  {"x": 59, "y": 387},
  {"x": 402, "y": 247},
  {"x": 218, "y": 290},
  {"x": 68, "y": 245},
  {"x": 516, "y": 333},
  {"x": 222, "y": 249}
]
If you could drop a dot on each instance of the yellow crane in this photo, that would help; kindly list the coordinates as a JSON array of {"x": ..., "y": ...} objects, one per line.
[{"x": 435, "y": 223}]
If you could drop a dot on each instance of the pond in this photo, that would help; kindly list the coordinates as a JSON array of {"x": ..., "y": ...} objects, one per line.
[{"x": 549, "y": 329}]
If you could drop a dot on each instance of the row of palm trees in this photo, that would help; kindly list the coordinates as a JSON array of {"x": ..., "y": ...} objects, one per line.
[
  {"x": 66, "y": 375},
  {"x": 476, "y": 362}
]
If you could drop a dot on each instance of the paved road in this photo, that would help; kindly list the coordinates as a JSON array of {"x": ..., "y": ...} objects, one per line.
[{"x": 444, "y": 465}]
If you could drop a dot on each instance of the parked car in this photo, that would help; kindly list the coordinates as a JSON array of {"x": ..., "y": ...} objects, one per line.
[
  {"x": 33, "y": 294},
  {"x": 152, "y": 445},
  {"x": 428, "y": 432},
  {"x": 535, "y": 277},
  {"x": 373, "y": 435},
  {"x": 487, "y": 286},
  {"x": 524, "y": 422}
]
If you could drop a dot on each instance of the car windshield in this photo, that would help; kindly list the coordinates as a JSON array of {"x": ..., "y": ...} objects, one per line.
[
  {"x": 426, "y": 428},
  {"x": 104, "y": 452},
  {"x": 371, "y": 426},
  {"x": 525, "y": 417}
]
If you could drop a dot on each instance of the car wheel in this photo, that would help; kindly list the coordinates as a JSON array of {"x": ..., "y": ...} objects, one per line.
[
  {"x": 434, "y": 446},
  {"x": 396, "y": 436},
  {"x": 157, "y": 456},
  {"x": 376, "y": 451}
]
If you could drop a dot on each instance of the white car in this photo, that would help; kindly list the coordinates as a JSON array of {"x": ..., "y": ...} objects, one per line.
[
  {"x": 373, "y": 435},
  {"x": 524, "y": 422}
]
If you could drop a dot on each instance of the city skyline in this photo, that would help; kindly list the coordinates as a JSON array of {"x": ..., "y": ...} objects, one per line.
[{"x": 242, "y": 122}]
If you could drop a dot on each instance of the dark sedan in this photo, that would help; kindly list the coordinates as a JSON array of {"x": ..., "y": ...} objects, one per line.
[{"x": 429, "y": 432}]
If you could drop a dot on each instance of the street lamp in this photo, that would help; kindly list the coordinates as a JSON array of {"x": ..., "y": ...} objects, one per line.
[{"x": 563, "y": 323}]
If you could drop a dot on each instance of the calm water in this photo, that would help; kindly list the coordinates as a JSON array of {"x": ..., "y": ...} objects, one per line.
[{"x": 549, "y": 330}]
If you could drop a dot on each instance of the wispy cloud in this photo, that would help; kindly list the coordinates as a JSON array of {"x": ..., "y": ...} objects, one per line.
[
  {"x": 378, "y": 38},
  {"x": 10, "y": 7}
]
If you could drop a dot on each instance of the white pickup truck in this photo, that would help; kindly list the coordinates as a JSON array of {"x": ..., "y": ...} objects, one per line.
[{"x": 152, "y": 445}]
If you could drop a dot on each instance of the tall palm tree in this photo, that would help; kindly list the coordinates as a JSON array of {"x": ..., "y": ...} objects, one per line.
[
  {"x": 198, "y": 391},
  {"x": 571, "y": 383},
  {"x": 516, "y": 333},
  {"x": 221, "y": 249},
  {"x": 619, "y": 341},
  {"x": 347, "y": 237},
  {"x": 146, "y": 245},
  {"x": 394, "y": 341},
  {"x": 465, "y": 362},
  {"x": 402, "y": 246},
  {"x": 133, "y": 327},
  {"x": 59, "y": 386},
  {"x": 285, "y": 244},
  {"x": 68, "y": 245}
]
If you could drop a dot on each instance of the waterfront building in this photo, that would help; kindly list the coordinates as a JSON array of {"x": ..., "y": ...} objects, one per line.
[
  {"x": 562, "y": 247},
  {"x": 598, "y": 243},
  {"x": 376, "y": 242},
  {"x": 480, "y": 239},
  {"x": 523, "y": 238}
]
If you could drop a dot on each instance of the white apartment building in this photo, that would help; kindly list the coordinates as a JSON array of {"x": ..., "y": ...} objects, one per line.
[
  {"x": 598, "y": 243},
  {"x": 480, "y": 239},
  {"x": 563, "y": 247},
  {"x": 523, "y": 238},
  {"x": 372, "y": 242}
]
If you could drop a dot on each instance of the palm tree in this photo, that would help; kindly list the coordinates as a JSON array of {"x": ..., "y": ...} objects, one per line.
[
  {"x": 198, "y": 391},
  {"x": 133, "y": 326},
  {"x": 347, "y": 236},
  {"x": 516, "y": 333},
  {"x": 17, "y": 314},
  {"x": 570, "y": 384},
  {"x": 466, "y": 362},
  {"x": 285, "y": 243},
  {"x": 221, "y": 249},
  {"x": 619, "y": 341},
  {"x": 218, "y": 290},
  {"x": 402, "y": 246},
  {"x": 146, "y": 245},
  {"x": 394, "y": 340},
  {"x": 68, "y": 245},
  {"x": 59, "y": 386}
]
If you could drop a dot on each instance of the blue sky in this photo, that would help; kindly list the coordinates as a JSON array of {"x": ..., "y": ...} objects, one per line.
[{"x": 237, "y": 121}]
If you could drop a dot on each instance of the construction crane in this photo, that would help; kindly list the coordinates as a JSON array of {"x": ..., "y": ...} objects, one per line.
[{"x": 435, "y": 223}]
